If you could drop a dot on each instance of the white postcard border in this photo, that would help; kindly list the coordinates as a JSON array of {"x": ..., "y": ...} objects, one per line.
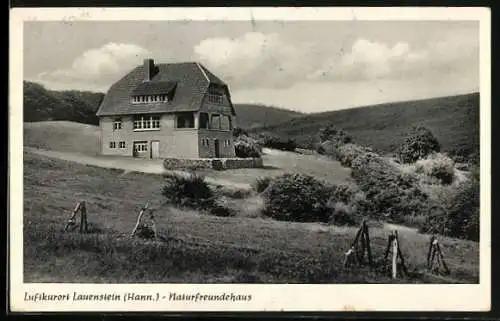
[{"x": 289, "y": 297}]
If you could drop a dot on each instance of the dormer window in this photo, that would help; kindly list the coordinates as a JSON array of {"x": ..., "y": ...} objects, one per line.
[{"x": 149, "y": 99}]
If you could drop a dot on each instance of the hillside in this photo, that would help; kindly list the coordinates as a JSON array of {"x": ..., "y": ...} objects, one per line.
[
  {"x": 194, "y": 247},
  {"x": 453, "y": 120},
  {"x": 253, "y": 115},
  {"x": 41, "y": 104}
]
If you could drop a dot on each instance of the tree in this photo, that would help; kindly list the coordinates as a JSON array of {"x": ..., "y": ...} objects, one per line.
[
  {"x": 336, "y": 135},
  {"x": 418, "y": 143}
]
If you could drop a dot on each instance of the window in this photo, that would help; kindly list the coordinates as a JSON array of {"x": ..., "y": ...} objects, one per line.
[
  {"x": 117, "y": 124},
  {"x": 215, "y": 122},
  {"x": 215, "y": 95},
  {"x": 185, "y": 120},
  {"x": 141, "y": 146},
  {"x": 112, "y": 144},
  {"x": 121, "y": 145},
  {"x": 225, "y": 122},
  {"x": 220, "y": 122},
  {"x": 149, "y": 99},
  {"x": 146, "y": 122},
  {"x": 204, "y": 120}
]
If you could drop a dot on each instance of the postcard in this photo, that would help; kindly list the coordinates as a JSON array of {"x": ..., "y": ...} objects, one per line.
[{"x": 249, "y": 159}]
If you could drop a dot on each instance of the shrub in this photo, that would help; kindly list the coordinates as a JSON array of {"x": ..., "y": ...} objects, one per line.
[
  {"x": 460, "y": 217},
  {"x": 219, "y": 209},
  {"x": 237, "y": 131},
  {"x": 343, "y": 214},
  {"x": 247, "y": 147},
  {"x": 418, "y": 143},
  {"x": 189, "y": 191},
  {"x": 297, "y": 197},
  {"x": 261, "y": 184},
  {"x": 437, "y": 166},
  {"x": 389, "y": 191},
  {"x": 277, "y": 142},
  {"x": 336, "y": 135},
  {"x": 348, "y": 152}
]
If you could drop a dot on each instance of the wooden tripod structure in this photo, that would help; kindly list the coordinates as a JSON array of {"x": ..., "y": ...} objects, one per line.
[
  {"x": 393, "y": 243},
  {"x": 360, "y": 248},
  {"x": 80, "y": 207},
  {"x": 139, "y": 219},
  {"x": 435, "y": 258}
]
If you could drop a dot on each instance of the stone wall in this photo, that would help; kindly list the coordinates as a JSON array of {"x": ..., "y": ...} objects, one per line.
[{"x": 211, "y": 163}]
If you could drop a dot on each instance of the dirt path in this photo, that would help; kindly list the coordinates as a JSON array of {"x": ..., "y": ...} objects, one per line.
[{"x": 127, "y": 164}]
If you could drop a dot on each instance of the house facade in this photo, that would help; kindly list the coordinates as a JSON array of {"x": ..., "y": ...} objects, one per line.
[{"x": 178, "y": 110}]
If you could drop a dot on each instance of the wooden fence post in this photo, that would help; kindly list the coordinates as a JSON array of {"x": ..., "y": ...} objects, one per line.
[
  {"x": 435, "y": 257},
  {"x": 83, "y": 218},
  {"x": 73, "y": 215},
  {"x": 139, "y": 218},
  {"x": 394, "y": 255},
  {"x": 368, "y": 249}
]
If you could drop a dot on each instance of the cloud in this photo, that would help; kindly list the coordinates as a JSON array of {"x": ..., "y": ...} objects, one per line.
[
  {"x": 255, "y": 59},
  {"x": 99, "y": 67},
  {"x": 369, "y": 60}
]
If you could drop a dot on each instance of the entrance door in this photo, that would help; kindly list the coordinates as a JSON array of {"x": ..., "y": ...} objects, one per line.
[
  {"x": 155, "y": 149},
  {"x": 217, "y": 148},
  {"x": 141, "y": 149}
]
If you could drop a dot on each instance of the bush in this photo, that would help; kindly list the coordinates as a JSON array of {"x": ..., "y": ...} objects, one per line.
[
  {"x": 418, "y": 143},
  {"x": 261, "y": 184},
  {"x": 348, "y": 152},
  {"x": 343, "y": 214},
  {"x": 189, "y": 191},
  {"x": 335, "y": 135},
  {"x": 246, "y": 147},
  {"x": 219, "y": 209},
  {"x": 297, "y": 197},
  {"x": 237, "y": 132},
  {"x": 276, "y": 142},
  {"x": 389, "y": 191},
  {"x": 437, "y": 166},
  {"x": 460, "y": 217}
]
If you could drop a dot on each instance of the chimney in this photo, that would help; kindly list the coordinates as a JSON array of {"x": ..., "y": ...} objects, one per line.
[{"x": 149, "y": 65}]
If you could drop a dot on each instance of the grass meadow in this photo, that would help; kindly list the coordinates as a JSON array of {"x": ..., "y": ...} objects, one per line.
[{"x": 195, "y": 247}]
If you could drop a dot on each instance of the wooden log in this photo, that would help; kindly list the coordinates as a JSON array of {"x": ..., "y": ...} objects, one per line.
[
  {"x": 83, "y": 217},
  {"x": 441, "y": 256},
  {"x": 73, "y": 215},
  {"x": 348, "y": 257},
  {"x": 356, "y": 238},
  {"x": 394, "y": 257},
  {"x": 433, "y": 255},
  {"x": 153, "y": 221},
  {"x": 429, "y": 252},
  {"x": 401, "y": 257},
  {"x": 388, "y": 248},
  {"x": 368, "y": 249},
  {"x": 139, "y": 218},
  {"x": 362, "y": 248}
]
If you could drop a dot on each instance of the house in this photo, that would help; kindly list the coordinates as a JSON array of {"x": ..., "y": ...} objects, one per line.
[{"x": 174, "y": 110}]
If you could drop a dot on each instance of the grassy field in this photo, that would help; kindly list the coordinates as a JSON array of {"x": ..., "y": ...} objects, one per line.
[
  {"x": 70, "y": 137},
  {"x": 453, "y": 120},
  {"x": 196, "y": 247}
]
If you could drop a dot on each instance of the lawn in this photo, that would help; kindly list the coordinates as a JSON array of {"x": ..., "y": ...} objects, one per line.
[{"x": 196, "y": 247}]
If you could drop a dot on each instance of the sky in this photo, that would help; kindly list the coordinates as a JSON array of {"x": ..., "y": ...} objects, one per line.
[{"x": 307, "y": 66}]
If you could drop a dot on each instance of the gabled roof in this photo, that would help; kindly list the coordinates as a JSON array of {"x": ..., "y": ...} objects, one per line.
[{"x": 191, "y": 81}]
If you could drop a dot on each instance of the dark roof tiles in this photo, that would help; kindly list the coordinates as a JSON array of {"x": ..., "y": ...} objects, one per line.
[{"x": 191, "y": 81}]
